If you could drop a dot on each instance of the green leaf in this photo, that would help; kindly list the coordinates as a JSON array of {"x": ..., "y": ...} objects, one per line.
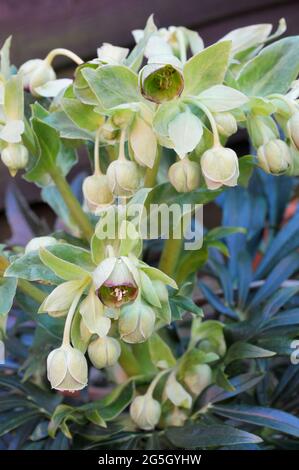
[
  {"x": 260, "y": 416},
  {"x": 30, "y": 267},
  {"x": 113, "y": 84},
  {"x": 242, "y": 350},
  {"x": 82, "y": 115},
  {"x": 202, "y": 436},
  {"x": 135, "y": 57},
  {"x": 273, "y": 70},
  {"x": 15, "y": 419},
  {"x": 222, "y": 232},
  {"x": 214, "y": 393},
  {"x": 246, "y": 166},
  {"x": 64, "y": 269},
  {"x": 165, "y": 113},
  {"x": 187, "y": 304},
  {"x": 185, "y": 132},
  {"x": 221, "y": 98},
  {"x": 191, "y": 262},
  {"x": 160, "y": 352},
  {"x": 7, "y": 292},
  {"x": 48, "y": 148},
  {"x": 207, "y": 68},
  {"x": 4, "y": 58}
]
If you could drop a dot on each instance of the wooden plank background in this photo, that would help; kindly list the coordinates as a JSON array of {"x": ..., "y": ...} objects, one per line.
[{"x": 82, "y": 25}]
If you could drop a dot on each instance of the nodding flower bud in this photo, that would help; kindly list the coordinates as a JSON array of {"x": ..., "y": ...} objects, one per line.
[
  {"x": 36, "y": 72},
  {"x": 97, "y": 193},
  {"x": 123, "y": 177},
  {"x": 145, "y": 412},
  {"x": 15, "y": 157},
  {"x": 136, "y": 322},
  {"x": 184, "y": 175},
  {"x": 104, "y": 352},
  {"x": 67, "y": 369},
  {"x": 39, "y": 242},
  {"x": 274, "y": 157},
  {"x": 198, "y": 378},
  {"x": 293, "y": 128},
  {"x": 161, "y": 82},
  {"x": 176, "y": 418},
  {"x": 220, "y": 167},
  {"x": 116, "y": 281},
  {"x": 226, "y": 124}
]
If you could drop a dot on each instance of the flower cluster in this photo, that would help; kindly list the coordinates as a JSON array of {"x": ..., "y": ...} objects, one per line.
[{"x": 121, "y": 300}]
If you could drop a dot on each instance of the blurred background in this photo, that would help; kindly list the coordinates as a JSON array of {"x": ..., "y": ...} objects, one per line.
[{"x": 82, "y": 26}]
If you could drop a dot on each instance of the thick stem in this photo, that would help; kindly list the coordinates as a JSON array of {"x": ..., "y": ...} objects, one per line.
[
  {"x": 97, "y": 167},
  {"x": 151, "y": 173},
  {"x": 65, "y": 52},
  {"x": 170, "y": 255},
  {"x": 211, "y": 120},
  {"x": 32, "y": 291},
  {"x": 69, "y": 319},
  {"x": 72, "y": 203}
]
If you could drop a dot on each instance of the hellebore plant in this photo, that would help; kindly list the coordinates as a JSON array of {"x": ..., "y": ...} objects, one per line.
[{"x": 155, "y": 122}]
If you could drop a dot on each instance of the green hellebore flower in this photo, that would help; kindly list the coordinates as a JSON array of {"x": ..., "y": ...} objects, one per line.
[
  {"x": 274, "y": 157},
  {"x": 136, "y": 322},
  {"x": 15, "y": 157},
  {"x": 123, "y": 177},
  {"x": 36, "y": 73},
  {"x": 116, "y": 281},
  {"x": 198, "y": 378},
  {"x": 161, "y": 81},
  {"x": 145, "y": 412},
  {"x": 184, "y": 175},
  {"x": 220, "y": 167},
  {"x": 104, "y": 352},
  {"x": 67, "y": 369},
  {"x": 97, "y": 193},
  {"x": 226, "y": 123}
]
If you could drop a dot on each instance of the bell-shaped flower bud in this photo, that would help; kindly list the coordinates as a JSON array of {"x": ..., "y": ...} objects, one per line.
[
  {"x": 176, "y": 393},
  {"x": 162, "y": 80},
  {"x": 145, "y": 411},
  {"x": 198, "y": 378},
  {"x": 67, "y": 369},
  {"x": 220, "y": 167},
  {"x": 116, "y": 281},
  {"x": 293, "y": 129},
  {"x": 15, "y": 157},
  {"x": 226, "y": 124},
  {"x": 136, "y": 322},
  {"x": 274, "y": 157},
  {"x": 97, "y": 193},
  {"x": 40, "y": 242},
  {"x": 36, "y": 73},
  {"x": 176, "y": 418},
  {"x": 184, "y": 175},
  {"x": 123, "y": 177},
  {"x": 104, "y": 352}
]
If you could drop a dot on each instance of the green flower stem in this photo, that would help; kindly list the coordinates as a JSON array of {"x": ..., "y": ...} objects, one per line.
[
  {"x": 128, "y": 361},
  {"x": 64, "y": 52},
  {"x": 170, "y": 255},
  {"x": 151, "y": 173},
  {"x": 78, "y": 215},
  {"x": 32, "y": 291}
]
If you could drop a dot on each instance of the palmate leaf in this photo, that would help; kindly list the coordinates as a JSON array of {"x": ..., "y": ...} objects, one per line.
[
  {"x": 260, "y": 416},
  {"x": 203, "y": 436}
]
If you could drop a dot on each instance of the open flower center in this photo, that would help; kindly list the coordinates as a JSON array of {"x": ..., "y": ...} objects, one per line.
[{"x": 116, "y": 296}]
